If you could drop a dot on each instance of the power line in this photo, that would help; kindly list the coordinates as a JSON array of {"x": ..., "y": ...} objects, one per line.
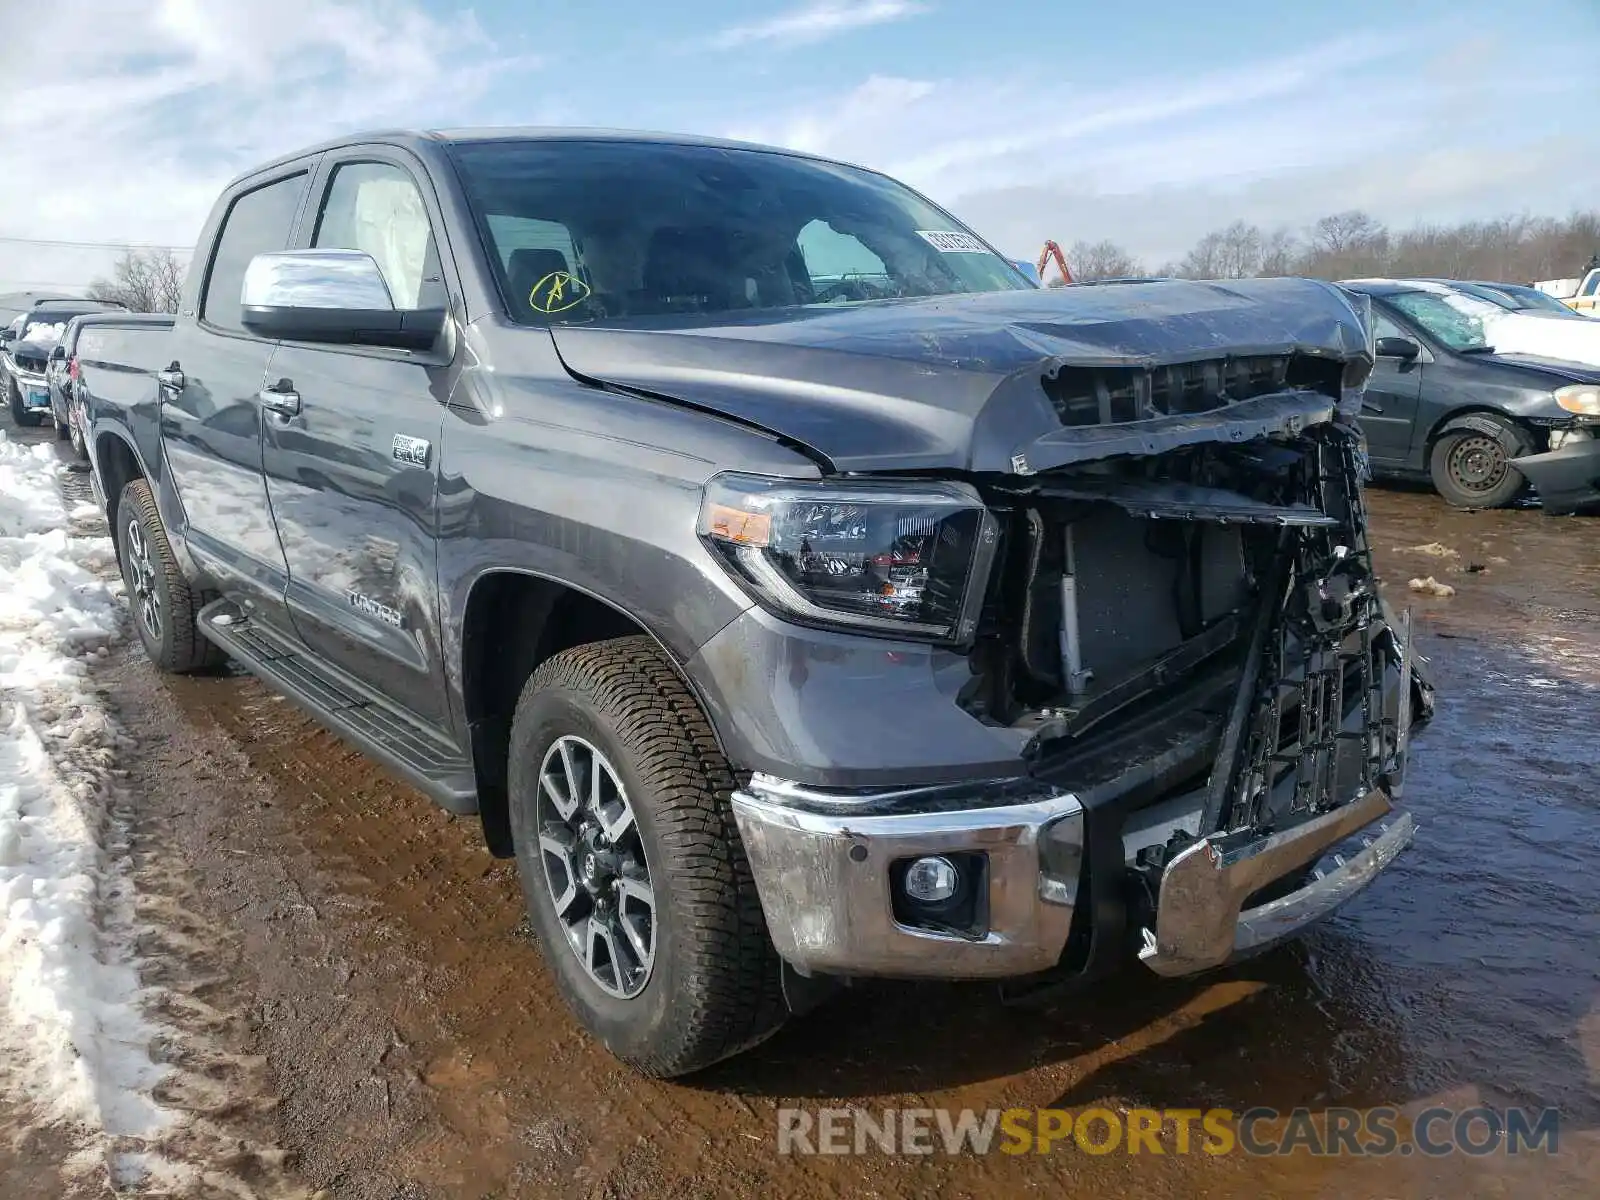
[{"x": 70, "y": 245}]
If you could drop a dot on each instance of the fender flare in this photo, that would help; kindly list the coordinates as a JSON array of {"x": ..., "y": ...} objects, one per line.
[{"x": 1490, "y": 424}]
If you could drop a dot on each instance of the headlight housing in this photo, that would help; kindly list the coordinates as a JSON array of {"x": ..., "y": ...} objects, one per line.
[
  {"x": 1580, "y": 398},
  {"x": 908, "y": 560}
]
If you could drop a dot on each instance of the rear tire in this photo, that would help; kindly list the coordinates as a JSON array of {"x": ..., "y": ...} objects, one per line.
[
  {"x": 1471, "y": 468},
  {"x": 699, "y": 981},
  {"x": 164, "y": 606}
]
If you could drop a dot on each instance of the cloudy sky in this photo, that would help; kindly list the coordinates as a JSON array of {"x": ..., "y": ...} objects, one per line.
[{"x": 1147, "y": 122}]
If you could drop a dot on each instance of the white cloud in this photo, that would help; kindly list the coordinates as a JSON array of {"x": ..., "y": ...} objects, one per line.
[
  {"x": 1157, "y": 162},
  {"x": 168, "y": 99},
  {"x": 817, "y": 21}
]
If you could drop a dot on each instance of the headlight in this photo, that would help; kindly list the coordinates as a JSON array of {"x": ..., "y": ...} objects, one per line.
[
  {"x": 1580, "y": 398},
  {"x": 910, "y": 560}
]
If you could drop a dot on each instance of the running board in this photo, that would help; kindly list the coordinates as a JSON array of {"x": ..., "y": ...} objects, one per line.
[{"x": 421, "y": 758}]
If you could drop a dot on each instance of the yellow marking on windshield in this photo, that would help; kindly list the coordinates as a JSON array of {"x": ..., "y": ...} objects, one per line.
[{"x": 557, "y": 292}]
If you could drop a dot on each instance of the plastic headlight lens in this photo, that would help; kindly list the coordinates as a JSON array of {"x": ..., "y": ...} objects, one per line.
[
  {"x": 1580, "y": 398},
  {"x": 906, "y": 559}
]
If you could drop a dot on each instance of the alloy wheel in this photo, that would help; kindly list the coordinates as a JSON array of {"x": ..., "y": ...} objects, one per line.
[
  {"x": 142, "y": 579},
  {"x": 595, "y": 868}
]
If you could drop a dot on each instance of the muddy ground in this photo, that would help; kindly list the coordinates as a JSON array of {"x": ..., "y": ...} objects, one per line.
[{"x": 361, "y": 1010}]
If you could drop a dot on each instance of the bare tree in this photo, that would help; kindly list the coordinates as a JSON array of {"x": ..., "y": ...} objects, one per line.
[
  {"x": 1102, "y": 260},
  {"x": 1204, "y": 261},
  {"x": 1514, "y": 249},
  {"x": 143, "y": 281},
  {"x": 1280, "y": 252}
]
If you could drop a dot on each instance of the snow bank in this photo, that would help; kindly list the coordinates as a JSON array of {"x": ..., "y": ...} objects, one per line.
[{"x": 74, "y": 1046}]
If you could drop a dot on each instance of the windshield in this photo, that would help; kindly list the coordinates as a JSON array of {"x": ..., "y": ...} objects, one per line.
[
  {"x": 581, "y": 230},
  {"x": 1455, "y": 319}
]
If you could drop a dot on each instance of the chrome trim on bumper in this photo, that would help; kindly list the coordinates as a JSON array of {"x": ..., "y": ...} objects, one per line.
[
  {"x": 824, "y": 880},
  {"x": 1199, "y": 922}
]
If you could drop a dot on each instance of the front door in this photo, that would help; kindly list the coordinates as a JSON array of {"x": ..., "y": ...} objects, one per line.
[
  {"x": 1389, "y": 408},
  {"x": 352, "y": 474}
]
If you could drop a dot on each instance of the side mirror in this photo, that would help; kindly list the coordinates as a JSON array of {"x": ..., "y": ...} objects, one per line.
[
  {"x": 330, "y": 296},
  {"x": 59, "y": 353},
  {"x": 1397, "y": 347},
  {"x": 8, "y": 334}
]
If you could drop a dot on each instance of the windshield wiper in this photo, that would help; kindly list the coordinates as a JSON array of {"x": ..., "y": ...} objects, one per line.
[{"x": 1476, "y": 350}]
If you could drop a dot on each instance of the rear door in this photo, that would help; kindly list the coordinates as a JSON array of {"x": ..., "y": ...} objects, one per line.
[
  {"x": 1389, "y": 408},
  {"x": 211, "y": 411},
  {"x": 352, "y": 475}
]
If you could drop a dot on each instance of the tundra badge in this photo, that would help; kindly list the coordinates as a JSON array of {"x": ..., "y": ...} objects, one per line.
[{"x": 410, "y": 450}]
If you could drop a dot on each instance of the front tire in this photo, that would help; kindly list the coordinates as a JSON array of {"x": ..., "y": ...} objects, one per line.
[
  {"x": 1471, "y": 468},
  {"x": 164, "y": 605},
  {"x": 635, "y": 878}
]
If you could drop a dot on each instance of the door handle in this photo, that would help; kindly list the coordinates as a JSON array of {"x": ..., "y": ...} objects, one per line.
[
  {"x": 285, "y": 403},
  {"x": 171, "y": 378}
]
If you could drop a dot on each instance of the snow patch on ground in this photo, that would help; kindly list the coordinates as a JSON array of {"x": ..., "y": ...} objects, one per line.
[{"x": 74, "y": 1045}]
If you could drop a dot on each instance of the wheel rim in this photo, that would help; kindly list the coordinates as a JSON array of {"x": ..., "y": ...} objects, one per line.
[
  {"x": 76, "y": 435},
  {"x": 142, "y": 579},
  {"x": 1477, "y": 463},
  {"x": 595, "y": 868}
]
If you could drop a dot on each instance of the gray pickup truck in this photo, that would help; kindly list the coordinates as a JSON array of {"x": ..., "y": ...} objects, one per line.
[{"x": 795, "y": 590}]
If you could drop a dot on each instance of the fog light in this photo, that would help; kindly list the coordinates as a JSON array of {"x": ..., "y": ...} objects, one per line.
[{"x": 931, "y": 880}]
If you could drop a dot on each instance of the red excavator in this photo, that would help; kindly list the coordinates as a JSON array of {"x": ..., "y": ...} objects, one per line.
[{"x": 1053, "y": 251}]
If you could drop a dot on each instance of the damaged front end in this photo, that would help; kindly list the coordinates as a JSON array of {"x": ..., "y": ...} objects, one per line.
[
  {"x": 1179, "y": 631},
  {"x": 1194, "y": 638}
]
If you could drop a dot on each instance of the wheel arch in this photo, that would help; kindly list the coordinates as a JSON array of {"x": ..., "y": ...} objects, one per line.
[
  {"x": 117, "y": 462},
  {"x": 1459, "y": 419},
  {"x": 514, "y": 620}
]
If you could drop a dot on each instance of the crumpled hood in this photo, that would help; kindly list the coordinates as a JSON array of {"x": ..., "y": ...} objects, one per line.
[{"x": 951, "y": 382}]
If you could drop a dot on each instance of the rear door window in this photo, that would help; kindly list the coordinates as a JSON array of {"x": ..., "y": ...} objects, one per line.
[{"x": 258, "y": 222}]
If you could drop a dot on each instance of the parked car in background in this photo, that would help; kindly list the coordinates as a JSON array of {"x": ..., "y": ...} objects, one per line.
[
  {"x": 1446, "y": 404},
  {"x": 1586, "y": 299},
  {"x": 1516, "y": 297},
  {"x": 25, "y": 347}
]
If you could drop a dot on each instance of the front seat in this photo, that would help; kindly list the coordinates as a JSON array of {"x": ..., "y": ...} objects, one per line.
[{"x": 527, "y": 268}]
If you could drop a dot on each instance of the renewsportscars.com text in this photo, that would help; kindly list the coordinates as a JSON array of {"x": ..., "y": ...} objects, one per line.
[{"x": 1336, "y": 1132}]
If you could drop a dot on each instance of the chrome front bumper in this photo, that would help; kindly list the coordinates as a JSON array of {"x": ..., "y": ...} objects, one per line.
[
  {"x": 824, "y": 877},
  {"x": 1200, "y": 919}
]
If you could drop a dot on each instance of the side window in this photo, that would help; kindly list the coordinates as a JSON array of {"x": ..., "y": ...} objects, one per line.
[
  {"x": 257, "y": 222},
  {"x": 376, "y": 207},
  {"x": 1592, "y": 284},
  {"x": 833, "y": 259},
  {"x": 91, "y": 344},
  {"x": 1383, "y": 327}
]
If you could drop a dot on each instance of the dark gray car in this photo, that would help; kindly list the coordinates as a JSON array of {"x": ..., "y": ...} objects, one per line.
[{"x": 794, "y": 589}]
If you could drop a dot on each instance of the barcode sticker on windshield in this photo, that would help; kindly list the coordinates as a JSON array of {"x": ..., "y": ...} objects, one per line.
[{"x": 949, "y": 242}]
